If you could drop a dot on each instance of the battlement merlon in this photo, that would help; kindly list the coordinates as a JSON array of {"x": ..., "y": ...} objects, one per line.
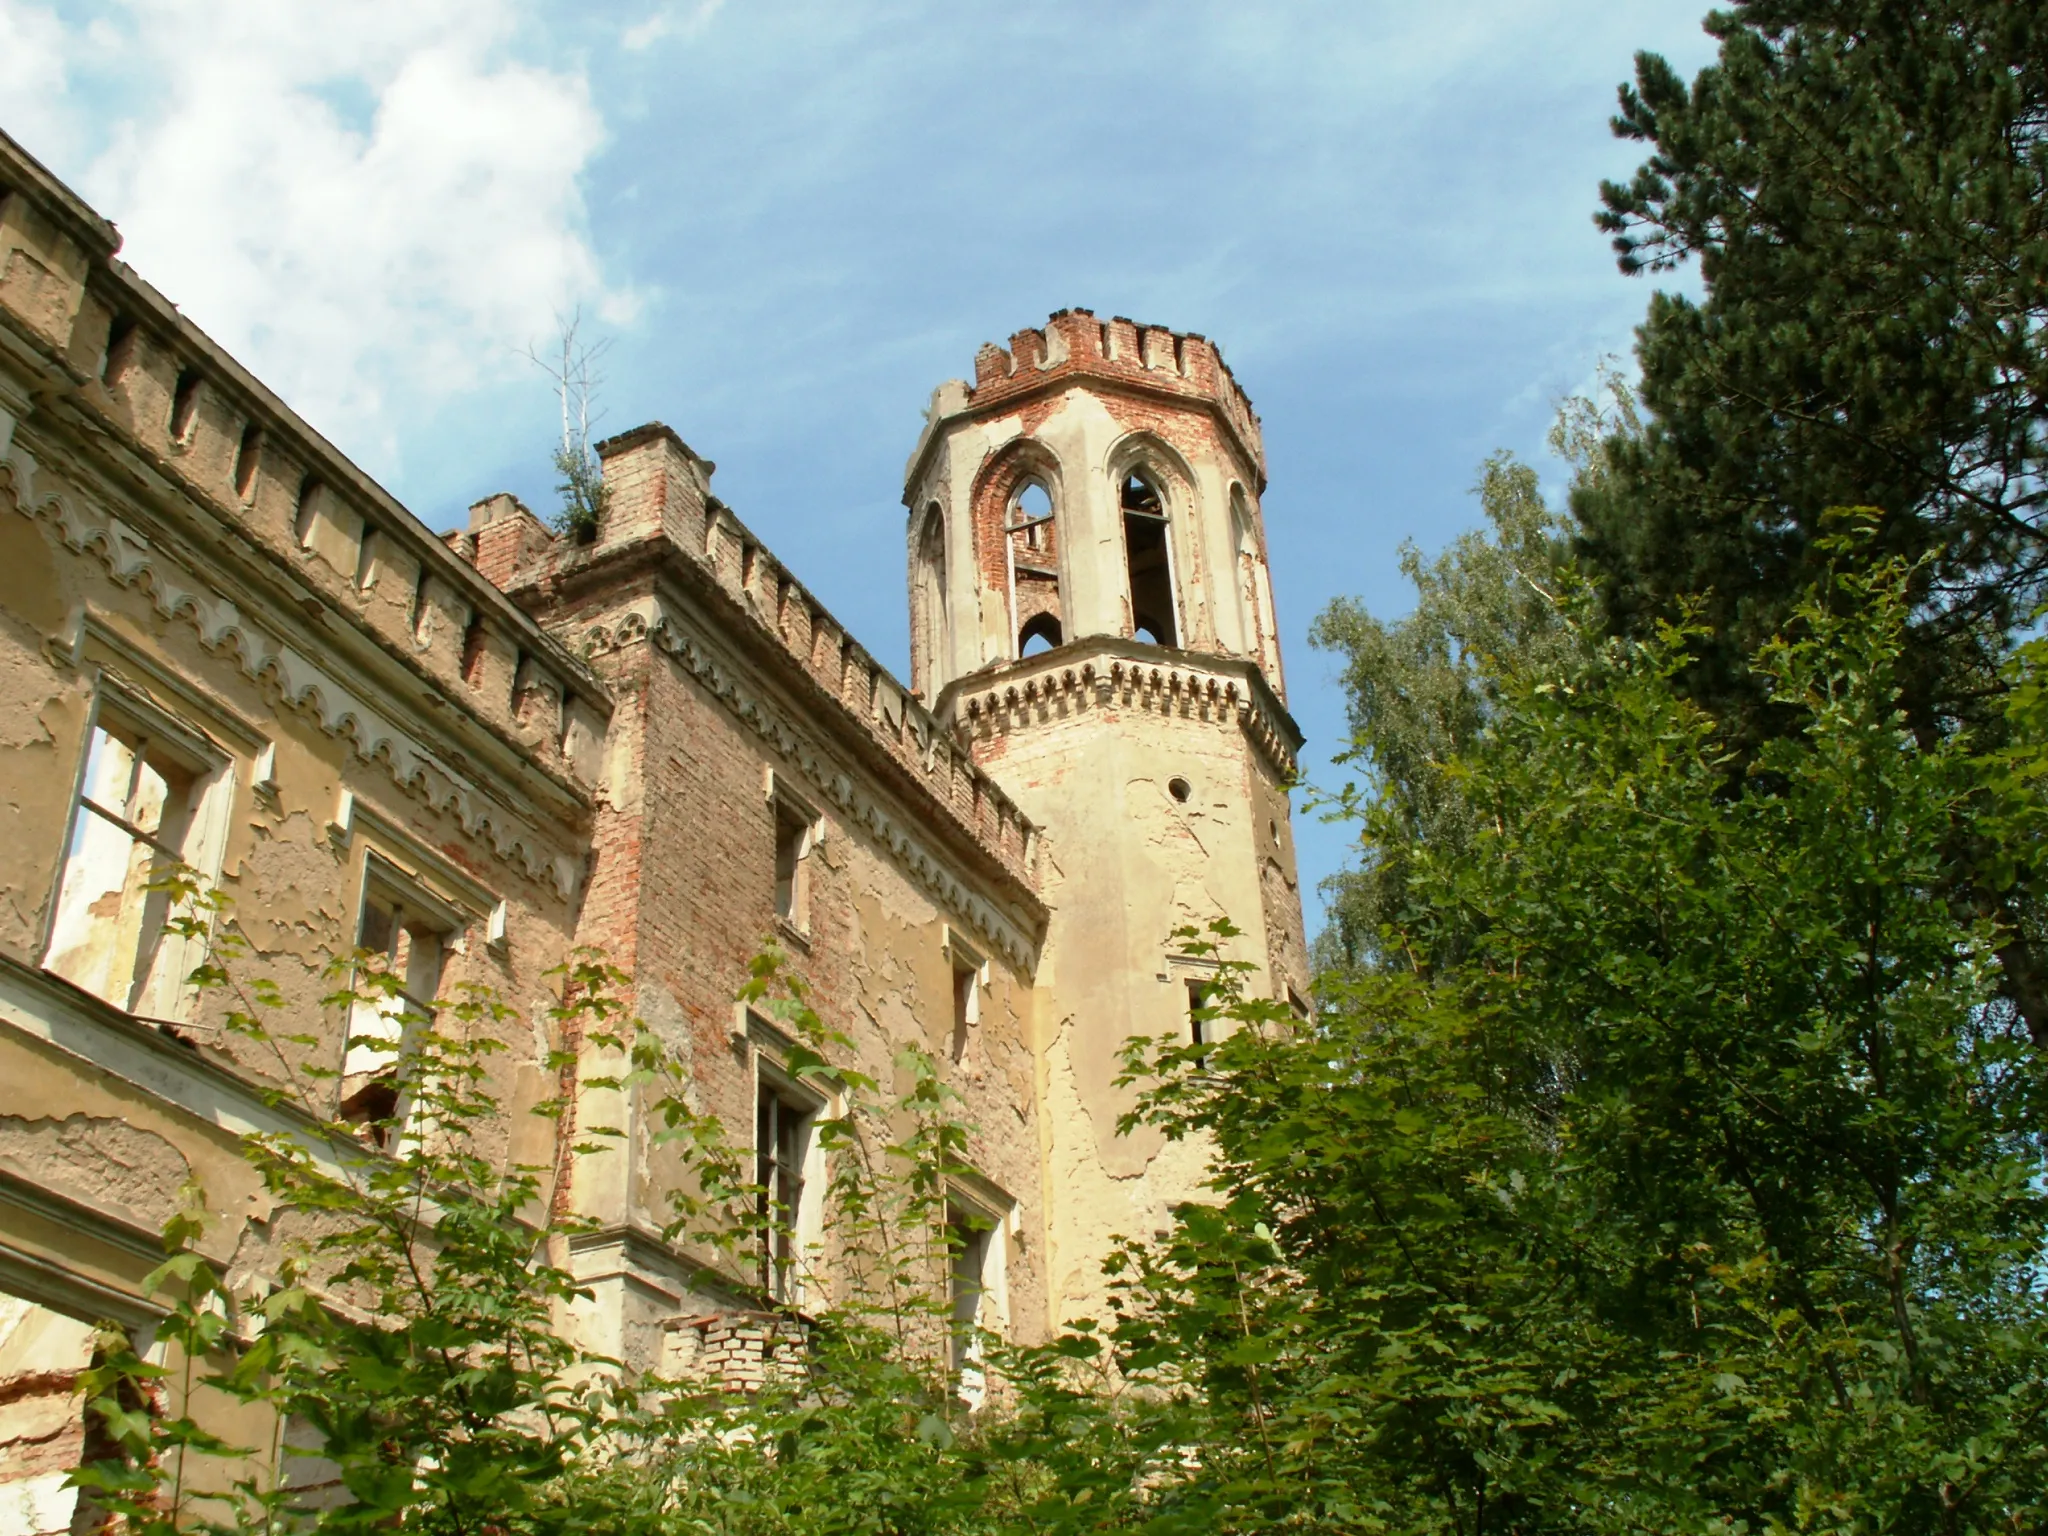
[{"x": 1144, "y": 359}]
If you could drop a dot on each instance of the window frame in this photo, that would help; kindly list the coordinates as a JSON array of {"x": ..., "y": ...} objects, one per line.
[
  {"x": 159, "y": 991},
  {"x": 980, "y": 1219},
  {"x": 803, "y": 818},
  {"x": 788, "y": 1277},
  {"x": 970, "y": 975},
  {"x": 408, "y": 893}
]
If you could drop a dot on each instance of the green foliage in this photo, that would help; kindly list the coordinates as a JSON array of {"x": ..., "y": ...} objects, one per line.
[
  {"x": 1420, "y": 690},
  {"x": 1863, "y": 185},
  {"x": 1703, "y": 1191}
]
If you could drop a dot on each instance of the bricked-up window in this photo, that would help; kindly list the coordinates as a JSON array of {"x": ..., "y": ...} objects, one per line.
[
  {"x": 796, "y": 829},
  {"x": 409, "y": 934},
  {"x": 139, "y": 804},
  {"x": 1148, "y": 563},
  {"x": 782, "y": 1144}
]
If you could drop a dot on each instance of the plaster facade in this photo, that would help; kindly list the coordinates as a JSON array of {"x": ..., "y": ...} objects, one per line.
[{"x": 220, "y": 641}]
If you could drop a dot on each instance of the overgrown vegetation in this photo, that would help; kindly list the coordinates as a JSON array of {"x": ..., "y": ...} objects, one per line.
[{"x": 1666, "y": 1152}]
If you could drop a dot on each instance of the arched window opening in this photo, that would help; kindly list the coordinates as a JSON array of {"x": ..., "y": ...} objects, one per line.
[
  {"x": 1042, "y": 634},
  {"x": 928, "y": 595},
  {"x": 1148, "y": 564},
  {"x": 1033, "y": 532},
  {"x": 1031, "y": 518}
]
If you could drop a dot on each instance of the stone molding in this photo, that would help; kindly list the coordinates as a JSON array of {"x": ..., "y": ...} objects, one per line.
[
  {"x": 652, "y": 622},
  {"x": 130, "y": 558},
  {"x": 1181, "y": 686}
]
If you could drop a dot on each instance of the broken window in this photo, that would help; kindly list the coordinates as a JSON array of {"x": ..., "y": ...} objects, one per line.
[
  {"x": 1031, "y": 517},
  {"x": 1149, "y": 564},
  {"x": 968, "y": 971},
  {"x": 138, "y": 802},
  {"x": 782, "y": 1141},
  {"x": 795, "y": 834},
  {"x": 1034, "y": 569},
  {"x": 405, "y": 936},
  {"x": 928, "y": 596},
  {"x": 977, "y": 1289},
  {"x": 46, "y": 1428}
]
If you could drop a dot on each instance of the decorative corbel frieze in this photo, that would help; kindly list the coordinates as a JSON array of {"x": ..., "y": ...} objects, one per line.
[
  {"x": 652, "y": 622},
  {"x": 300, "y": 681}
]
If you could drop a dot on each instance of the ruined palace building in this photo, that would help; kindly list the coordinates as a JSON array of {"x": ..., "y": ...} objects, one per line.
[{"x": 223, "y": 644}]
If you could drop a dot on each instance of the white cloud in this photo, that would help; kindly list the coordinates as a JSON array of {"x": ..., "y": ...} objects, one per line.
[
  {"x": 669, "y": 21},
  {"x": 33, "y": 54},
  {"x": 372, "y": 205}
]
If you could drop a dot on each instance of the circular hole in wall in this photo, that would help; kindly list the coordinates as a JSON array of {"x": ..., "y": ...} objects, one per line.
[{"x": 1180, "y": 789}]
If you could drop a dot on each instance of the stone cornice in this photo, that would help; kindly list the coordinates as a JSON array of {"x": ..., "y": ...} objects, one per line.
[
  {"x": 1104, "y": 670},
  {"x": 132, "y": 559}
]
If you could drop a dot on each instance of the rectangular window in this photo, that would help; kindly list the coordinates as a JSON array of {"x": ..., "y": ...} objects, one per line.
[
  {"x": 977, "y": 1290},
  {"x": 139, "y": 802},
  {"x": 796, "y": 838},
  {"x": 407, "y": 934},
  {"x": 782, "y": 1144},
  {"x": 969, "y": 970},
  {"x": 1199, "y": 1014}
]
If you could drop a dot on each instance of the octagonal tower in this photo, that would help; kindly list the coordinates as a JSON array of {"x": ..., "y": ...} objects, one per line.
[{"x": 1091, "y": 611}]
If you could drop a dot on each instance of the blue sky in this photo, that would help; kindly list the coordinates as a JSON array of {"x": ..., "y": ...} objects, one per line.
[{"x": 792, "y": 220}]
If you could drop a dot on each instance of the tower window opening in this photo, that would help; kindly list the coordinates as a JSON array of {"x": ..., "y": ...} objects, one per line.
[
  {"x": 1200, "y": 1019},
  {"x": 1031, "y": 518},
  {"x": 1149, "y": 567},
  {"x": 1040, "y": 635}
]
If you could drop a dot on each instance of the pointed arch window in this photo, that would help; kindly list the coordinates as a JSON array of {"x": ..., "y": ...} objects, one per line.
[
  {"x": 1033, "y": 533},
  {"x": 1148, "y": 560},
  {"x": 928, "y": 596}
]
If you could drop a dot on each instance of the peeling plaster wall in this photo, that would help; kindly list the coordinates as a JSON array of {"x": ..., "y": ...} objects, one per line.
[
  {"x": 684, "y": 885},
  {"x": 1127, "y": 864}
]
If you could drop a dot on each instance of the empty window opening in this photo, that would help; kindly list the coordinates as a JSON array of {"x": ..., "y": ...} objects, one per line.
[
  {"x": 928, "y": 595},
  {"x": 1180, "y": 789},
  {"x": 1031, "y": 517},
  {"x": 782, "y": 1138},
  {"x": 1148, "y": 564},
  {"x": 794, "y": 835},
  {"x": 246, "y": 459},
  {"x": 969, "y": 971},
  {"x": 130, "y": 829},
  {"x": 185, "y": 405},
  {"x": 120, "y": 351},
  {"x": 1040, "y": 635},
  {"x": 404, "y": 941},
  {"x": 48, "y": 1427},
  {"x": 969, "y": 1235},
  {"x": 1201, "y": 1018}
]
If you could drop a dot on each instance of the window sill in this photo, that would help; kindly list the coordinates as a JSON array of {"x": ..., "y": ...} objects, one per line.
[{"x": 800, "y": 937}]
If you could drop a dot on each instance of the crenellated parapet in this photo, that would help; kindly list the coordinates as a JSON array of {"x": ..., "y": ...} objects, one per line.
[
  {"x": 1146, "y": 360},
  {"x": 138, "y": 433},
  {"x": 661, "y": 509}
]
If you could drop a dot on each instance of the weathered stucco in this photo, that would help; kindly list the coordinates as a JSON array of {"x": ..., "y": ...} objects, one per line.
[{"x": 481, "y": 750}]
